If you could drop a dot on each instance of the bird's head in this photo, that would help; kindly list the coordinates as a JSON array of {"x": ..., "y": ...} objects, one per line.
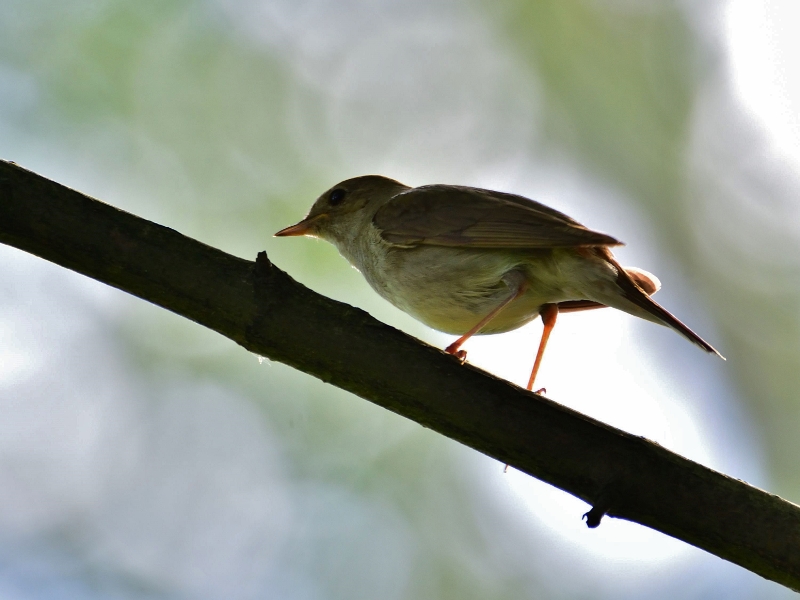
[{"x": 341, "y": 212}]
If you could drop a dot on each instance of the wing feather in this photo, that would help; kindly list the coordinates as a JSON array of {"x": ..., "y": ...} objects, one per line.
[{"x": 445, "y": 215}]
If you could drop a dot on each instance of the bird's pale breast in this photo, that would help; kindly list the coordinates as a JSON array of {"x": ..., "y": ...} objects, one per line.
[{"x": 452, "y": 289}]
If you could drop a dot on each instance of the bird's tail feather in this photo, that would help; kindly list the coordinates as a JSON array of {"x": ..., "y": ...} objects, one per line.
[{"x": 635, "y": 294}]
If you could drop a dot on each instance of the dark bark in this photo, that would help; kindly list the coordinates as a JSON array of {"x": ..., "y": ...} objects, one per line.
[{"x": 263, "y": 309}]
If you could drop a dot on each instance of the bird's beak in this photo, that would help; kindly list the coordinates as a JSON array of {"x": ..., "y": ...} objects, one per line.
[{"x": 304, "y": 227}]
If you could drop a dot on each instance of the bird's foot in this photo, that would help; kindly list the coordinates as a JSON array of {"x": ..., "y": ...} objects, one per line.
[
  {"x": 459, "y": 354},
  {"x": 540, "y": 391}
]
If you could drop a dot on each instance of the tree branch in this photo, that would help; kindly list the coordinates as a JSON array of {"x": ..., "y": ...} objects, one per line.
[{"x": 264, "y": 310}]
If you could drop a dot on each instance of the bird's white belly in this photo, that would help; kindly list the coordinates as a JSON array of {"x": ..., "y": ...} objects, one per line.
[{"x": 452, "y": 289}]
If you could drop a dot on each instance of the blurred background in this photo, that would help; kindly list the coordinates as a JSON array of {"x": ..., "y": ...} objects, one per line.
[{"x": 142, "y": 456}]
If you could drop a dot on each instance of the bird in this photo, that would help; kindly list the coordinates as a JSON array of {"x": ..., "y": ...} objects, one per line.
[{"x": 469, "y": 261}]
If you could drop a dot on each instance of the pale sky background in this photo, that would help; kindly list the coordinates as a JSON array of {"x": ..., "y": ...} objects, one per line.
[{"x": 764, "y": 56}]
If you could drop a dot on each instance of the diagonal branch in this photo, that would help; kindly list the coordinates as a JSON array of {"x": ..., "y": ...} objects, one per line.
[{"x": 263, "y": 309}]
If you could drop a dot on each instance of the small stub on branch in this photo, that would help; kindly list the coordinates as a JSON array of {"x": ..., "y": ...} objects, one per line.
[
  {"x": 263, "y": 263},
  {"x": 594, "y": 516}
]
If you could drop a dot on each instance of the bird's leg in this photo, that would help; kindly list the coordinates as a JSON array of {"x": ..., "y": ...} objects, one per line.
[
  {"x": 454, "y": 348},
  {"x": 549, "y": 312}
]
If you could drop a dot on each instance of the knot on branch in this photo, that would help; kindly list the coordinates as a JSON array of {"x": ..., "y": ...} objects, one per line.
[
  {"x": 263, "y": 265},
  {"x": 263, "y": 294},
  {"x": 594, "y": 516},
  {"x": 602, "y": 505}
]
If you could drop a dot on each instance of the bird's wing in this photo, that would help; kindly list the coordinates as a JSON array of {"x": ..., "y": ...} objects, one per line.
[{"x": 445, "y": 215}]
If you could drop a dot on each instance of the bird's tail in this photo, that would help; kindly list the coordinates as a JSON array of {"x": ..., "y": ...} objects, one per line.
[{"x": 634, "y": 286}]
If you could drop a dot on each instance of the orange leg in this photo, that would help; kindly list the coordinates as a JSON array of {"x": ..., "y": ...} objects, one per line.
[
  {"x": 454, "y": 348},
  {"x": 549, "y": 312}
]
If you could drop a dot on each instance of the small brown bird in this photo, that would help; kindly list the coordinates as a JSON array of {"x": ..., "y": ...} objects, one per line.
[{"x": 469, "y": 261}]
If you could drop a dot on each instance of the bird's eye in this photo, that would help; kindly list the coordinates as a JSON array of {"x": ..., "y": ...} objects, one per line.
[{"x": 336, "y": 196}]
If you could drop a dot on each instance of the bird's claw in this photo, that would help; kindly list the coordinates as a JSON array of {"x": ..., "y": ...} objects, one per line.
[{"x": 459, "y": 354}]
